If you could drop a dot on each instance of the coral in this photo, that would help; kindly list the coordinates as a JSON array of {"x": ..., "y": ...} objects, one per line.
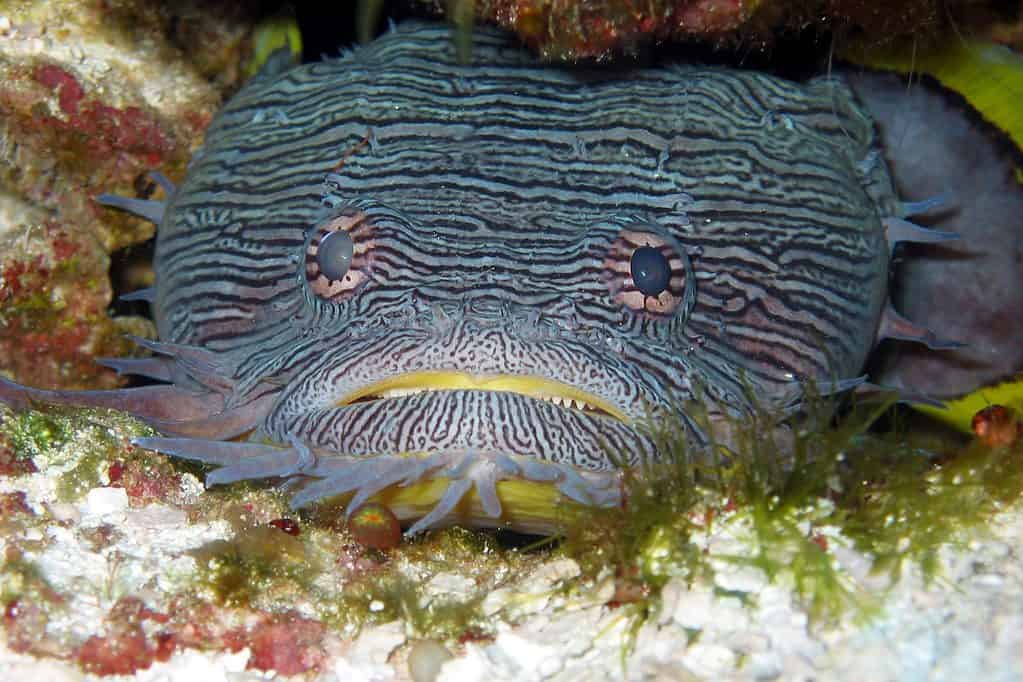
[
  {"x": 601, "y": 29},
  {"x": 54, "y": 294},
  {"x": 93, "y": 95}
]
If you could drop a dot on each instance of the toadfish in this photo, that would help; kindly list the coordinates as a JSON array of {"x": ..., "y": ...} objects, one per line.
[{"x": 394, "y": 268}]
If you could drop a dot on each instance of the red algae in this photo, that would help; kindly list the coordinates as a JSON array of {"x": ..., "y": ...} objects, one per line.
[
  {"x": 125, "y": 648},
  {"x": 997, "y": 426},
  {"x": 56, "y": 78},
  {"x": 85, "y": 109},
  {"x": 602, "y": 29},
  {"x": 105, "y": 129},
  {"x": 24, "y": 625},
  {"x": 166, "y": 645},
  {"x": 12, "y": 464},
  {"x": 145, "y": 479},
  {"x": 289, "y": 647},
  {"x": 14, "y": 503},
  {"x": 146, "y": 483},
  {"x": 121, "y": 654},
  {"x": 53, "y": 317},
  {"x": 289, "y": 526}
]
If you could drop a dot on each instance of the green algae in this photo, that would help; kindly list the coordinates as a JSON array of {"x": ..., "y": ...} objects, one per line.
[
  {"x": 36, "y": 434},
  {"x": 396, "y": 588},
  {"x": 260, "y": 567},
  {"x": 789, "y": 490},
  {"x": 82, "y": 444},
  {"x": 897, "y": 495},
  {"x": 21, "y": 578},
  {"x": 347, "y": 586},
  {"x": 392, "y": 596}
]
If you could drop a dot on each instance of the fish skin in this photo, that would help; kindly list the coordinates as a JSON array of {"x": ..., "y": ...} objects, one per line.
[{"x": 493, "y": 208}]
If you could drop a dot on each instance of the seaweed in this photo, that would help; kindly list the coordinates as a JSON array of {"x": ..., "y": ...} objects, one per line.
[{"x": 790, "y": 491}]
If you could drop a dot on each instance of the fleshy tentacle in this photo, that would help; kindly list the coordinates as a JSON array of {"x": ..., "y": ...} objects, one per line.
[
  {"x": 318, "y": 476},
  {"x": 200, "y": 400}
]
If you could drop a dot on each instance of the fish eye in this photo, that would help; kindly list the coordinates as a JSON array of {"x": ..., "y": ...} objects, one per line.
[
  {"x": 650, "y": 270},
  {"x": 334, "y": 254},
  {"x": 338, "y": 255}
]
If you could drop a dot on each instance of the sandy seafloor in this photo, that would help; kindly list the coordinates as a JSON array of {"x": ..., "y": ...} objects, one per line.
[{"x": 967, "y": 625}]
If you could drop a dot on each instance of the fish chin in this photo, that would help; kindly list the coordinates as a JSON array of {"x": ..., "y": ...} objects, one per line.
[{"x": 492, "y": 421}]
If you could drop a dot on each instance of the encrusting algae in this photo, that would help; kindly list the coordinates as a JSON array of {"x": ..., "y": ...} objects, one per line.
[{"x": 896, "y": 497}]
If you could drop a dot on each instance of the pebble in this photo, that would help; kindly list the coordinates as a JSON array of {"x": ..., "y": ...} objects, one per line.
[
  {"x": 734, "y": 578},
  {"x": 367, "y": 657},
  {"x": 105, "y": 501},
  {"x": 426, "y": 659},
  {"x": 451, "y": 586},
  {"x": 64, "y": 511},
  {"x": 701, "y": 609},
  {"x": 550, "y": 574},
  {"x": 764, "y": 666},
  {"x": 710, "y": 661}
]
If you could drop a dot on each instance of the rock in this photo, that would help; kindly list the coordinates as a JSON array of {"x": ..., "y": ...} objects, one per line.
[
  {"x": 426, "y": 659},
  {"x": 90, "y": 100},
  {"x": 710, "y": 661},
  {"x": 576, "y": 30},
  {"x": 102, "y": 502}
]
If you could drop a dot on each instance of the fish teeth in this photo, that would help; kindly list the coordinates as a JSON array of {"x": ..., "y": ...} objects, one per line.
[
  {"x": 560, "y": 401},
  {"x": 399, "y": 392}
]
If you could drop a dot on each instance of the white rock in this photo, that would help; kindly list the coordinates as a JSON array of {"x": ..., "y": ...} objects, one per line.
[
  {"x": 671, "y": 594},
  {"x": 474, "y": 666},
  {"x": 64, "y": 511},
  {"x": 572, "y": 633},
  {"x": 373, "y": 646},
  {"x": 735, "y": 578},
  {"x": 550, "y": 574},
  {"x": 765, "y": 665},
  {"x": 191, "y": 664},
  {"x": 21, "y": 668},
  {"x": 450, "y": 586},
  {"x": 989, "y": 580},
  {"x": 694, "y": 609},
  {"x": 711, "y": 661},
  {"x": 104, "y": 502},
  {"x": 495, "y": 601},
  {"x": 525, "y": 658}
]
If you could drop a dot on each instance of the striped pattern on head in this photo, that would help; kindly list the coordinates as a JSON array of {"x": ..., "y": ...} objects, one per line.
[{"x": 492, "y": 209}]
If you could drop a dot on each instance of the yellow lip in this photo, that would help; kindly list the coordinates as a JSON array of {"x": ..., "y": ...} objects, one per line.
[{"x": 440, "y": 380}]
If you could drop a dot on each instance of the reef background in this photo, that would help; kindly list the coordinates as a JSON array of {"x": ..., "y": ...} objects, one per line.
[
  {"x": 114, "y": 561},
  {"x": 95, "y": 94}
]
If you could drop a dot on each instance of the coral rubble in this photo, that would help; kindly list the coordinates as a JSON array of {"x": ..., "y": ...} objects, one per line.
[{"x": 92, "y": 95}]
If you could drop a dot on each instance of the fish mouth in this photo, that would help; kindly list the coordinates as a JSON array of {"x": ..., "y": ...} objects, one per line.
[{"x": 540, "y": 388}]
